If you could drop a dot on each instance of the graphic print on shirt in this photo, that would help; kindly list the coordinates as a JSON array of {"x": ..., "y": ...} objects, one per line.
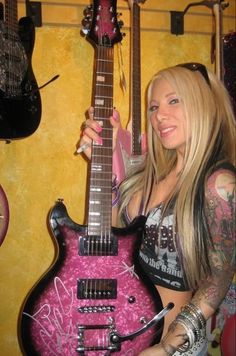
[{"x": 158, "y": 255}]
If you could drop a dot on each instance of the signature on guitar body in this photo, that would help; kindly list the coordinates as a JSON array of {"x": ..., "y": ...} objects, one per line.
[
  {"x": 20, "y": 101},
  {"x": 93, "y": 300}
]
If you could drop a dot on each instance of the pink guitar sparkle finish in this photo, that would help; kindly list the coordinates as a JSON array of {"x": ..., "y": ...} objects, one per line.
[{"x": 52, "y": 320}]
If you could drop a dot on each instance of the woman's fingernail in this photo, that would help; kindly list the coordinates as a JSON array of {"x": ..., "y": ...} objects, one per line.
[
  {"x": 99, "y": 141},
  {"x": 115, "y": 116}
]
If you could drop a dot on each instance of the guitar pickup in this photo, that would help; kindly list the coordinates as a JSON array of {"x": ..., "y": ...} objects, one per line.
[
  {"x": 98, "y": 246},
  {"x": 97, "y": 289}
]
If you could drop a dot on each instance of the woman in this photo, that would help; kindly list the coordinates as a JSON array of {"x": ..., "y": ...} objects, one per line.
[{"x": 186, "y": 188}]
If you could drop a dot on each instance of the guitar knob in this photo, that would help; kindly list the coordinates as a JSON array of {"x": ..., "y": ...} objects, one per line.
[
  {"x": 33, "y": 109},
  {"x": 131, "y": 299},
  {"x": 120, "y": 24},
  {"x": 143, "y": 320}
]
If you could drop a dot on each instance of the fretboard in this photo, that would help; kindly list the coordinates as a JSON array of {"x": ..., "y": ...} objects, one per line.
[
  {"x": 136, "y": 86},
  {"x": 11, "y": 17},
  {"x": 100, "y": 194}
]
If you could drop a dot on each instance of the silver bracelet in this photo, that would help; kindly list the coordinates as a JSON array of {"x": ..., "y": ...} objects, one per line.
[
  {"x": 197, "y": 311},
  {"x": 192, "y": 322}
]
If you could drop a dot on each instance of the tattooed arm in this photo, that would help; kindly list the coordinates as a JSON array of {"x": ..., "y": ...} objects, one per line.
[{"x": 220, "y": 214}]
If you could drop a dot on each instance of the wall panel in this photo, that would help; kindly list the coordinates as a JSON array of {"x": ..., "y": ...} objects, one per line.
[{"x": 39, "y": 169}]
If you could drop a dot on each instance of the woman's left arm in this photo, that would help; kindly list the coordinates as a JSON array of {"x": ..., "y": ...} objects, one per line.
[{"x": 220, "y": 214}]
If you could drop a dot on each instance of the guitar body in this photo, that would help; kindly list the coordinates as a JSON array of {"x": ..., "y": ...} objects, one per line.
[
  {"x": 71, "y": 293},
  {"x": 4, "y": 215},
  {"x": 20, "y": 101},
  {"x": 123, "y": 157}
]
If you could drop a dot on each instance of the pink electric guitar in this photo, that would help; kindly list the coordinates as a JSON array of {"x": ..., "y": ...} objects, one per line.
[
  {"x": 130, "y": 143},
  {"x": 93, "y": 300}
]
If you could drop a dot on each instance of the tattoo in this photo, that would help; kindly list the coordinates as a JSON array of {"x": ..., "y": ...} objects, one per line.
[{"x": 220, "y": 214}]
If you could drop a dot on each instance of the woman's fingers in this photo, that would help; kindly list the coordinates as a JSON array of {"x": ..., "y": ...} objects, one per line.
[
  {"x": 115, "y": 122},
  {"x": 91, "y": 130}
]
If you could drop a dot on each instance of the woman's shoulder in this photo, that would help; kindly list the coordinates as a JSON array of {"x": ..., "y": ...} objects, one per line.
[
  {"x": 221, "y": 171},
  {"x": 221, "y": 183}
]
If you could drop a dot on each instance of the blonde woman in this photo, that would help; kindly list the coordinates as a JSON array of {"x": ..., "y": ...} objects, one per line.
[{"x": 186, "y": 188}]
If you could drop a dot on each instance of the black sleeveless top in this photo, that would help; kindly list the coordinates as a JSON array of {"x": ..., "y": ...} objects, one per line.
[{"x": 158, "y": 254}]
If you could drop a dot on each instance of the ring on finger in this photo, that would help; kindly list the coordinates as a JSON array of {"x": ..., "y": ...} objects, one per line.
[
  {"x": 84, "y": 125},
  {"x": 83, "y": 148}
]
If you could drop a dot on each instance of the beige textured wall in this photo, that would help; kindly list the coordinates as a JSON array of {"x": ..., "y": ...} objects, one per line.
[{"x": 38, "y": 170}]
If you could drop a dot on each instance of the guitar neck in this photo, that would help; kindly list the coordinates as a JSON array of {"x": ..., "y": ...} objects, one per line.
[
  {"x": 218, "y": 12},
  {"x": 11, "y": 15},
  {"x": 136, "y": 80},
  {"x": 100, "y": 196}
]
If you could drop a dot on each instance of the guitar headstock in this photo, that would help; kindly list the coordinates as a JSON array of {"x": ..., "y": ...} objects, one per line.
[{"x": 100, "y": 24}]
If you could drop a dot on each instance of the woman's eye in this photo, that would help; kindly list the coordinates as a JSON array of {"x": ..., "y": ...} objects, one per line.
[
  {"x": 174, "y": 101},
  {"x": 153, "y": 108}
]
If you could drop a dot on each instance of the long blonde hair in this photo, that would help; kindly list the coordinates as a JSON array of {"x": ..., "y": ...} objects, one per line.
[{"x": 210, "y": 118}]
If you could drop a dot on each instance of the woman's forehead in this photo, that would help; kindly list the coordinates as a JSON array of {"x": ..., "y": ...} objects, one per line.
[{"x": 161, "y": 86}]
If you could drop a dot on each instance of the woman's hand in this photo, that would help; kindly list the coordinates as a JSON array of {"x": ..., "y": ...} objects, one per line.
[
  {"x": 156, "y": 350},
  {"x": 91, "y": 130}
]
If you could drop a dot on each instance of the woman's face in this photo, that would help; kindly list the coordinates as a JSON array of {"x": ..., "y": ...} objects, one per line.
[{"x": 167, "y": 116}]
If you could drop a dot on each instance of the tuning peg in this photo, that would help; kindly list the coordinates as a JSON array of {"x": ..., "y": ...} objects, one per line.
[
  {"x": 120, "y": 24},
  {"x": 84, "y": 31},
  {"x": 88, "y": 10},
  {"x": 86, "y": 21}
]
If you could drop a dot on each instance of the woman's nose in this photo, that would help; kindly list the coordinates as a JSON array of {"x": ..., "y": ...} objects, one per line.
[{"x": 161, "y": 114}]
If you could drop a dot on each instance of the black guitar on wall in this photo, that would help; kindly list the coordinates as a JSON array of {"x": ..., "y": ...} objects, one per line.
[{"x": 20, "y": 101}]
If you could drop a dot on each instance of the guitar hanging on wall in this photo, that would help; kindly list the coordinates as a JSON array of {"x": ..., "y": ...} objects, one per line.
[
  {"x": 20, "y": 101},
  {"x": 92, "y": 300},
  {"x": 224, "y": 51},
  {"x": 130, "y": 142}
]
